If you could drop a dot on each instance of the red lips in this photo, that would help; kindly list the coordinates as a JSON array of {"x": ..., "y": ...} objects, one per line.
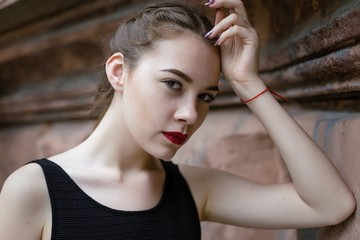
[{"x": 176, "y": 137}]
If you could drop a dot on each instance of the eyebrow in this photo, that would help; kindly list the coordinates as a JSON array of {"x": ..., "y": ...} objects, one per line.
[{"x": 187, "y": 78}]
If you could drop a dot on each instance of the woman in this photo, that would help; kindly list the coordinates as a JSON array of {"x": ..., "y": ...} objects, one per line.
[{"x": 161, "y": 78}]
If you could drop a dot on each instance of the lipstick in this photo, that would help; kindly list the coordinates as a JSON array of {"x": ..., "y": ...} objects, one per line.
[{"x": 175, "y": 137}]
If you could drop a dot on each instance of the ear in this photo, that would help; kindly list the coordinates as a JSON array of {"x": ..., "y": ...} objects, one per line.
[{"x": 115, "y": 71}]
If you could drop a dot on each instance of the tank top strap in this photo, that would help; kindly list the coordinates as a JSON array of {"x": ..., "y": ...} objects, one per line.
[
  {"x": 181, "y": 197},
  {"x": 54, "y": 175}
]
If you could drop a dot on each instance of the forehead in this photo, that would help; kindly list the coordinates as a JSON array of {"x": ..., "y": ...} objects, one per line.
[{"x": 187, "y": 53}]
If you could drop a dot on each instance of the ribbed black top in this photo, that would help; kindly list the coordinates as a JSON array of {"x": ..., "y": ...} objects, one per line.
[{"x": 76, "y": 216}]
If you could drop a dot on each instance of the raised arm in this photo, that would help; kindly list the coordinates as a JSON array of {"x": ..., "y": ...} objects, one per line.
[{"x": 317, "y": 195}]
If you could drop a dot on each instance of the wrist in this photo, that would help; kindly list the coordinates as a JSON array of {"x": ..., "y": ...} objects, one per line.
[
  {"x": 254, "y": 97},
  {"x": 248, "y": 93},
  {"x": 249, "y": 89}
]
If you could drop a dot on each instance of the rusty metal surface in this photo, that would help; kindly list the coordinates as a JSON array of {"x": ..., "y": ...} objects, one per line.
[
  {"x": 340, "y": 32},
  {"x": 21, "y": 13},
  {"x": 68, "y": 99},
  {"x": 81, "y": 24},
  {"x": 337, "y": 72},
  {"x": 293, "y": 31}
]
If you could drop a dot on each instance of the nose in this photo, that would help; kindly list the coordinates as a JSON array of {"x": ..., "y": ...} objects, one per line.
[{"x": 187, "y": 111}]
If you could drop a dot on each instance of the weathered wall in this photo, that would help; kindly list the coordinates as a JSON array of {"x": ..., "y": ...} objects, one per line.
[
  {"x": 21, "y": 144},
  {"x": 51, "y": 55},
  {"x": 235, "y": 141}
]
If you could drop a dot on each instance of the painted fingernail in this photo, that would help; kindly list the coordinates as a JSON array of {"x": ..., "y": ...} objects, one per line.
[
  {"x": 208, "y": 34},
  {"x": 210, "y": 2},
  {"x": 217, "y": 43}
]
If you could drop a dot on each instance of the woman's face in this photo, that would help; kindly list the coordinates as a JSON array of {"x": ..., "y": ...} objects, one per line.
[{"x": 166, "y": 97}]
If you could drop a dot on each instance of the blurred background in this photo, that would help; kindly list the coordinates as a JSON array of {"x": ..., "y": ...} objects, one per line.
[{"x": 52, "y": 55}]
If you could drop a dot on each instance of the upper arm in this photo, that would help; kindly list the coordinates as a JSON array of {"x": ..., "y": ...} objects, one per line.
[
  {"x": 230, "y": 199},
  {"x": 23, "y": 202}
]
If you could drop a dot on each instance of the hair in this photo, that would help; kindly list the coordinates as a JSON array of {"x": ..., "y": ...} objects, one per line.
[{"x": 138, "y": 34}]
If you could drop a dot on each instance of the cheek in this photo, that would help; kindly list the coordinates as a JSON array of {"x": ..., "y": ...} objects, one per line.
[
  {"x": 137, "y": 106},
  {"x": 146, "y": 105}
]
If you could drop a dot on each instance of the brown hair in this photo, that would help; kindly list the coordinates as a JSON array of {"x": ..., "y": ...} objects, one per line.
[{"x": 139, "y": 33}]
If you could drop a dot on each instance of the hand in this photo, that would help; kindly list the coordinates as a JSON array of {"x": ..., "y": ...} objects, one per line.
[{"x": 239, "y": 44}]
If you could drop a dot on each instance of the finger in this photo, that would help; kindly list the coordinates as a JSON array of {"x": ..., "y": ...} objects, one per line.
[
  {"x": 220, "y": 15},
  {"x": 241, "y": 10},
  {"x": 247, "y": 36},
  {"x": 235, "y": 6},
  {"x": 228, "y": 22}
]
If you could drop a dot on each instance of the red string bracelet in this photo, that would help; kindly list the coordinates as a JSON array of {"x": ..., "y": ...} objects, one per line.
[
  {"x": 279, "y": 96},
  {"x": 262, "y": 92}
]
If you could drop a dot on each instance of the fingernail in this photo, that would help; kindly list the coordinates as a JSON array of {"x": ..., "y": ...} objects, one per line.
[
  {"x": 217, "y": 43},
  {"x": 208, "y": 34},
  {"x": 210, "y": 2}
]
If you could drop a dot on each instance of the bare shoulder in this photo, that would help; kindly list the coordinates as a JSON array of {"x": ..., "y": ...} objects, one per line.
[
  {"x": 27, "y": 181},
  {"x": 202, "y": 176},
  {"x": 201, "y": 181},
  {"x": 208, "y": 180},
  {"x": 24, "y": 204},
  {"x": 197, "y": 174}
]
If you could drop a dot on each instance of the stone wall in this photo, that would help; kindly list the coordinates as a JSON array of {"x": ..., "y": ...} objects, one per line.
[{"x": 51, "y": 57}]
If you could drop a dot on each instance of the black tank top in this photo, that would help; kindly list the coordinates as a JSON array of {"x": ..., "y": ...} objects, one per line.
[{"x": 76, "y": 216}]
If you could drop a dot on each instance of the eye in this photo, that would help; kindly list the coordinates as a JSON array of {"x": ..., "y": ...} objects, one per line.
[
  {"x": 206, "y": 97},
  {"x": 173, "y": 84}
]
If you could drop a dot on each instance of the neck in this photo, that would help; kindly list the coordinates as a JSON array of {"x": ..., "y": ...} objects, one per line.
[{"x": 111, "y": 145}]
